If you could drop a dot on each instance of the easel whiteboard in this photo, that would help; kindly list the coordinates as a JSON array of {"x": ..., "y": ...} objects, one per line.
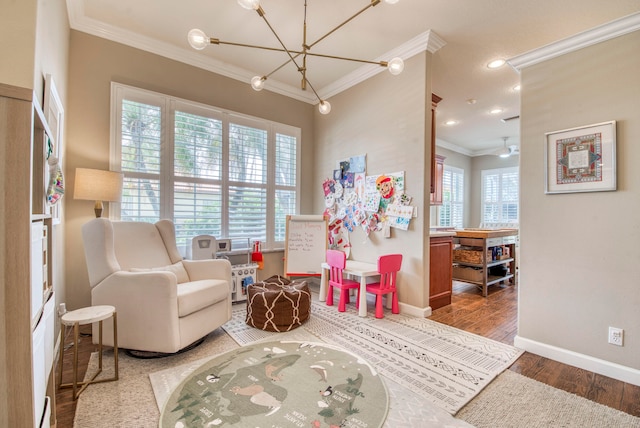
[{"x": 306, "y": 245}]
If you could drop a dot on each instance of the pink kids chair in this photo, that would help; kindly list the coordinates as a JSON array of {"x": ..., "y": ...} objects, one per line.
[
  {"x": 388, "y": 267},
  {"x": 337, "y": 261}
]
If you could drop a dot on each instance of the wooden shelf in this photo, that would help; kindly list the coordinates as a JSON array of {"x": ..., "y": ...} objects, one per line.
[{"x": 483, "y": 240}]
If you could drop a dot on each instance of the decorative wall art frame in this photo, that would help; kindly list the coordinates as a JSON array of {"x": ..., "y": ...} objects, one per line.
[{"x": 581, "y": 159}]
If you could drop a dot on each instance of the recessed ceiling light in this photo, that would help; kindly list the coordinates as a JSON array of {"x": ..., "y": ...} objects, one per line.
[
  {"x": 451, "y": 122},
  {"x": 496, "y": 63},
  {"x": 471, "y": 101},
  {"x": 496, "y": 111},
  {"x": 516, "y": 88}
]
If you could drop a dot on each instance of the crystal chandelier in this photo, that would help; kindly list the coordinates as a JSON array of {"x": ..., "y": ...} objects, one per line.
[{"x": 199, "y": 40}]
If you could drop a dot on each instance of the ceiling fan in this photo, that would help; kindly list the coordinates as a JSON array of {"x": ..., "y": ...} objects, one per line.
[{"x": 506, "y": 151}]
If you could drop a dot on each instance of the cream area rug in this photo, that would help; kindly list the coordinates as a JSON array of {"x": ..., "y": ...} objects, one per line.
[
  {"x": 441, "y": 364},
  {"x": 136, "y": 398},
  {"x": 510, "y": 400}
]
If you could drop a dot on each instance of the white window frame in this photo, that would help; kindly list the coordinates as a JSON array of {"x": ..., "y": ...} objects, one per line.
[
  {"x": 501, "y": 222},
  {"x": 169, "y": 105},
  {"x": 452, "y": 198}
]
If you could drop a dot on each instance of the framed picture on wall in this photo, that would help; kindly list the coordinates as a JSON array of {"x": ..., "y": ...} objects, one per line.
[{"x": 581, "y": 159}]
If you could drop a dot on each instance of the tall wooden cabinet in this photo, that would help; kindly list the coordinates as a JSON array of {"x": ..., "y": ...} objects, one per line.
[{"x": 26, "y": 308}]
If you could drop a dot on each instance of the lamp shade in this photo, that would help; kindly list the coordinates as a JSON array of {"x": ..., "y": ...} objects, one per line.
[{"x": 97, "y": 185}]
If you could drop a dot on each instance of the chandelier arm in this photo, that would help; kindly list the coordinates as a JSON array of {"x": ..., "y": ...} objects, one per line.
[
  {"x": 292, "y": 59},
  {"x": 282, "y": 65},
  {"x": 284, "y": 48},
  {"x": 304, "y": 48},
  {"x": 244, "y": 45},
  {"x": 297, "y": 54},
  {"x": 380, "y": 63},
  {"x": 372, "y": 4}
]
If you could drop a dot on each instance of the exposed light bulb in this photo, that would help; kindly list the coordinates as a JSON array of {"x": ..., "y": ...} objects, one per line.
[
  {"x": 324, "y": 107},
  {"x": 391, "y": 1},
  {"x": 198, "y": 39},
  {"x": 395, "y": 66},
  {"x": 257, "y": 82},
  {"x": 249, "y": 4}
]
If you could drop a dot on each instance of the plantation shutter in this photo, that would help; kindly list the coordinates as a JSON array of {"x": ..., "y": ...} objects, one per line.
[
  {"x": 286, "y": 182},
  {"x": 140, "y": 143},
  {"x": 247, "y": 181},
  {"x": 500, "y": 189},
  {"x": 197, "y": 165},
  {"x": 451, "y": 211}
]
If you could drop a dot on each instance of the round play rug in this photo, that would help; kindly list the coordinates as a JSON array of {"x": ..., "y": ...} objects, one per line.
[{"x": 280, "y": 384}]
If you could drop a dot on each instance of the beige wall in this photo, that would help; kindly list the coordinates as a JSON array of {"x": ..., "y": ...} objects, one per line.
[
  {"x": 52, "y": 57},
  {"x": 385, "y": 118},
  {"x": 17, "y": 42},
  {"x": 579, "y": 265},
  {"x": 93, "y": 64}
]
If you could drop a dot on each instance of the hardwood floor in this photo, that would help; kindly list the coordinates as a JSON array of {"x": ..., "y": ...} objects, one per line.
[{"x": 493, "y": 317}]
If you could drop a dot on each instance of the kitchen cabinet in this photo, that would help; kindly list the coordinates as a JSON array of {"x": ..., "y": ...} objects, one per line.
[
  {"x": 436, "y": 195},
  {"x": 440, "y": 270},
  {"x": 485, "y": 257}
]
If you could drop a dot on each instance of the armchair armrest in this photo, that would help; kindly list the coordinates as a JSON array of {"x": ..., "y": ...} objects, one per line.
[
  {"x": 208, "y": 269},
  {"x": 147, "y": 304}
]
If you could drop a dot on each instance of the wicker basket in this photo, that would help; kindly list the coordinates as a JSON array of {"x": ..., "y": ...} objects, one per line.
[
  {"x": 467, "y": 273},
  {"x": 468, "y": 255}
]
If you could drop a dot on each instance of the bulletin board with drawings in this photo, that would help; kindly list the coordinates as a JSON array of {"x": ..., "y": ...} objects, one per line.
[{"x": 354, "y": 200}]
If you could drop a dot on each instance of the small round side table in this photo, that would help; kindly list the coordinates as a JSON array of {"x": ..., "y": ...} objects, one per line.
[{"x": 88, "y": 315}]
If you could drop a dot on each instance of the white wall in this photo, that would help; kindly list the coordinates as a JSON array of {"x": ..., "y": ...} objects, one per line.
[
  {"x": 579, "y": 264},
  {"x": 385, "y": 118}
]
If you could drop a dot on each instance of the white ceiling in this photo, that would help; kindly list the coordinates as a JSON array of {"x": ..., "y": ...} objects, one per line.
[{"x": 464, "y": 35}]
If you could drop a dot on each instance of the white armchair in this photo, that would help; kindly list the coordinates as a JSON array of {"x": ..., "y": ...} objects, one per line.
[{"x": 163, "y": 303}]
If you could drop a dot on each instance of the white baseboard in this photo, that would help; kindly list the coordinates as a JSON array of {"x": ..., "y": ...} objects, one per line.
[
  {"x": 586, "y": 362},
  {"x": 415, "y": 311}
]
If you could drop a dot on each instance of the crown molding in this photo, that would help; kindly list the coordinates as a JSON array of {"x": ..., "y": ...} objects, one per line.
[
  {"x": 587, "y": 38},
  {"x": 454, "y": 148},
  {"x": 427, "y": 41},
  {"x": 78, "y": 20}
]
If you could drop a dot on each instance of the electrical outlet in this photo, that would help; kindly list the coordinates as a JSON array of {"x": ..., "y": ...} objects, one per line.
[{"x": 616, "y": 336}]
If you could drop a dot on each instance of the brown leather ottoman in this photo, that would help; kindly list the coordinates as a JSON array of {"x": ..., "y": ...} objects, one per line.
[{"x": 278, "y": 304}]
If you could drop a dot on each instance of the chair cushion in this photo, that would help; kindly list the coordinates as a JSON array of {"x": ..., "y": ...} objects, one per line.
[
  {"x": 196, "y": 295},
  {"x": 177, "y": 268},
  {"x": 278, "y": 304}
]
